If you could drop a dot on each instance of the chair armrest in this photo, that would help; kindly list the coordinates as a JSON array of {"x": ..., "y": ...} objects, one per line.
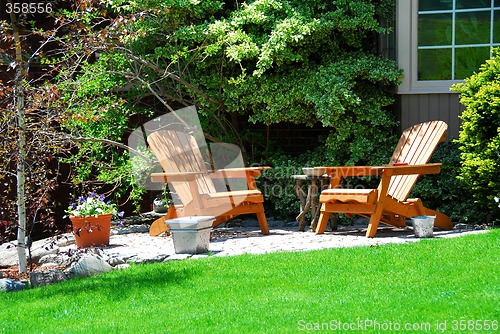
[
  {"x": 237, "y": 172},
  {"x": 411, "y": 169},
  {"x": 350, "y": 171},
  {"x": 174, "y": 177}
]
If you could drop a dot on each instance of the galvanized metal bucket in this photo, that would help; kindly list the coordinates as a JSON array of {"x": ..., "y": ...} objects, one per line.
[
  {"x": 423, "y": 226},
  {"x": 191, "y": 235}
]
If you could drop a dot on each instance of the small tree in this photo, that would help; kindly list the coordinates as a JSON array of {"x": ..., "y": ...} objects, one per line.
[
  {"x": 32, "y": 142},
  {"x": 480, "y": 133}
]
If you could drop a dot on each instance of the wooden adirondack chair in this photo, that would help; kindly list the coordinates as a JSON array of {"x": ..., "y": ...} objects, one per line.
[
  {"x": 388, "y": 203},
  {"x": 186, "y": 173}
]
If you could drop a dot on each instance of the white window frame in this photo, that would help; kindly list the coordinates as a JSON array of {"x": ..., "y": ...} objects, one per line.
[{"x": 407, "y": 52}]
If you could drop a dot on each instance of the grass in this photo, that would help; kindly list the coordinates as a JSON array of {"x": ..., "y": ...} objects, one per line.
[{"x": 432, "y": 283}]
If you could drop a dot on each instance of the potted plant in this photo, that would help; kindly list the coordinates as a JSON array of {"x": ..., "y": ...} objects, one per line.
[
  {"x": 91, "y": 219},
  {"x": 162, "y": 201}
]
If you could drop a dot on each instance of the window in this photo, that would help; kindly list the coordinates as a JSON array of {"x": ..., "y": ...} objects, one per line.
[{"x": 446, "y": 40}]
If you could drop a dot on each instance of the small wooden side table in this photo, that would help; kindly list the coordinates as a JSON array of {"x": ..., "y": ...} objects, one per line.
[{"x": 309, "y": 201}]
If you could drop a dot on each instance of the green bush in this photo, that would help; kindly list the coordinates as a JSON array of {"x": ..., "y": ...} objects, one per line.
[
  {"x": 267, "y": 61},
  {"x": 445, "y": 193},
  {"x": 479, "y": 137}
]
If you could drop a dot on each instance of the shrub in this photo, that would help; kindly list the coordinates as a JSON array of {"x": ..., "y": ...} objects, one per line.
[
  {"x": 479, "y": 137},
  {"x": 303, "y": 62},
  {"x": 444, "y": 193}
]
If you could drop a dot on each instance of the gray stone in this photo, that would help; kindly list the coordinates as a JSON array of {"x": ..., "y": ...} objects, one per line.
[
  {"x": 468, "y": 227},
  {"x": 49, "y": 265},
  {"x": 61, "y": 259},
  {"x": 122, "y": 266},
  {"x": 142, "y": 219},
  {"x": 65, "y": 260},
  {"x": 49, "y": 258},
  {"x": 130, "y": 229},
  {"x": 147, "y": 258},
  {"x": 65, "y": 240},
  {"x": 7, "y": 284},
  {"x": 89, "y": 265},
  {"x": 176, "y": 257},
  {"x": 116, "y": 261},
  {"x": 8, "y": 255},
  {"x": 38, "y": 252},
  {"x": 47, "y": 277},
  {"x": 99, "y": 252}
]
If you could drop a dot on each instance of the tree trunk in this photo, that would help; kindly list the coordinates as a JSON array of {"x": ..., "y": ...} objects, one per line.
[{"x": 21, "y": 124}]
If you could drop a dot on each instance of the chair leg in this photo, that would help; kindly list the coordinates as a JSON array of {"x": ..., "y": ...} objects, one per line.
[
  {"x": 159, "y": 226},
  {"x": 374, "y": 221},
  {"x": 442, "y": 221},
  {"x": 261, "y": 217},
  {"x": 323, "y": 220},
  {"x": 393, "y": 220},
  {"x": 221, "y": 220}
]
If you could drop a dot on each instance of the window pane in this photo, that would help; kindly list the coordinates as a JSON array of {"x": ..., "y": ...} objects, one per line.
[
  {"x": 497, "y": 3},
  {"x": 462, "y": 4},
  {"x": 496, "y": 27},
  {"x": 434, "y": 29},
  {"x": 468, "y": 61},
  {"x": 473, "y": 27},
  {"x": 434, "y": 64},
  {"x": 435, "y": 5}
]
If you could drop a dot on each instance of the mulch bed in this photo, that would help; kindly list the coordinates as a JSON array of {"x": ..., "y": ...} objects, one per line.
[{"x": 13, "y": 272}]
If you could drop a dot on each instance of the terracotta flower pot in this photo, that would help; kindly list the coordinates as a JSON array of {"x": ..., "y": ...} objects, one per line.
[{"x": 91, "y": 231}]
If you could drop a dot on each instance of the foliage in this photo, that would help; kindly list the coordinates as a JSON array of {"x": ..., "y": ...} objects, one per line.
[
  {"x": 479, "y": 137},
  {"x": 340, "y": 95},
  {"x": 41, "y": 177},
  {"x": 93, "y": 205},
  {"x": 264, "y": 61},
  {"x": 445, "y": 193},
  {"x": 48, "y": 44},
  {"x": 278, "y": 292},
  {"x": 22, "y": 88}
]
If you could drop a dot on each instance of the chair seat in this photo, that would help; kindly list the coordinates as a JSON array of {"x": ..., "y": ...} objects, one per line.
[{"x": 348, "y": 195}]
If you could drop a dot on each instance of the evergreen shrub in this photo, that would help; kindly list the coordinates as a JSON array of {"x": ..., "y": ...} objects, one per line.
[{"x": 479, "y": 137}]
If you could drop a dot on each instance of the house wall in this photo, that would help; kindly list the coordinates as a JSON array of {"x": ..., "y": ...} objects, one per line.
[{"x": 417, "y": 108}]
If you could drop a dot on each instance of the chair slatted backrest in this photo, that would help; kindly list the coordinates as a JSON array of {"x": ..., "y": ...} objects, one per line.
[
  {"x": 415, "y": 147},
  {"x": 179, "y": 152}
]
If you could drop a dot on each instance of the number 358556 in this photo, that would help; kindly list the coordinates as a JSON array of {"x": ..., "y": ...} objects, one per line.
[{"x": 28, "y": 8}]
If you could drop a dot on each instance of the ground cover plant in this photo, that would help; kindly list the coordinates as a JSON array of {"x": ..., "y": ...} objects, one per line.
[{"x": 433, "y": 285}]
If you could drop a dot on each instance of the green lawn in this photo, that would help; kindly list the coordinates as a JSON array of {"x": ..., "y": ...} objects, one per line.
[{"x": 433, "y": 284}]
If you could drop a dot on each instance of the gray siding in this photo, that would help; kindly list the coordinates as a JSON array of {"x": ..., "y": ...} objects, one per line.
[{"x": 417, "y": 108}]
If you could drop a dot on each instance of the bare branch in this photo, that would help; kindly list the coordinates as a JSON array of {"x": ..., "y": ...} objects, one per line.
[{"x": 109, "y": 142}]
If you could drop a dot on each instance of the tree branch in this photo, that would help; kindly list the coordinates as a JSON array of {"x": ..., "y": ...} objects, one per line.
[{"x": 109, "y": 142}]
